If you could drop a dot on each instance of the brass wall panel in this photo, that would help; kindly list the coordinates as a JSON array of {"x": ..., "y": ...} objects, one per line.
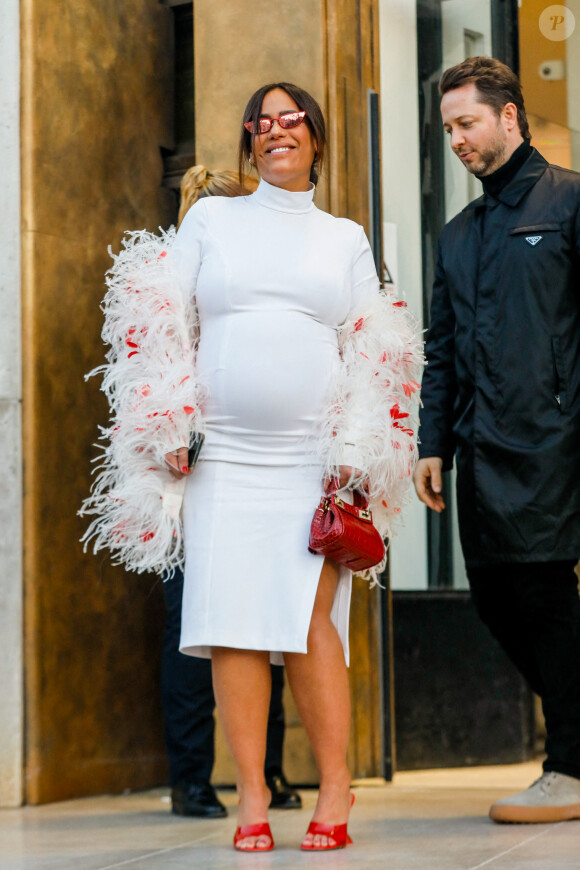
[
  {"x": 337, "y": 64},
  {"x": 353, "y": 67},
  {"x": 95, "y": 79},
  {"x": 95, "y": 112},
  {"x": 238, "y": 48},
  {"x": 365, "y": 749}
]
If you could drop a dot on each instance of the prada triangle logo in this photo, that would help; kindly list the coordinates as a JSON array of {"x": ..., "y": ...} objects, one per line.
[{"x": 533, "y": 240}]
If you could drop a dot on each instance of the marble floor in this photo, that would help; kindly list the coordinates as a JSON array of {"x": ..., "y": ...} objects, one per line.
[{"x": 425, "y": 820}]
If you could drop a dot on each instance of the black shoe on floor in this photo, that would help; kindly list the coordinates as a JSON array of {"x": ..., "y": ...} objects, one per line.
[
  {"x": 197, "y": 799},
  {"x": 284, "y": 797}
]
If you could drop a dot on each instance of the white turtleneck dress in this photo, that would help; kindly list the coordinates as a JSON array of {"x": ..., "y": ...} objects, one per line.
[{"x": 272, "y": 277}]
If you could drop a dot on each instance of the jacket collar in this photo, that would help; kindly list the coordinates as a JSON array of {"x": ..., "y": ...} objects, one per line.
[{"x": 513, "y": 193}]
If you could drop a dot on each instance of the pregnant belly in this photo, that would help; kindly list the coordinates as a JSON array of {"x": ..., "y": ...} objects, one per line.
[{"x": 268, "y": 373}]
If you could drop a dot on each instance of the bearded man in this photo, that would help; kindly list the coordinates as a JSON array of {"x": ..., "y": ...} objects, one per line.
[{"x": 501, "y": 395}]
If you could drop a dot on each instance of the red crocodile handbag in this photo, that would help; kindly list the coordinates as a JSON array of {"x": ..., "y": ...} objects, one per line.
[{"x": 346, "y": 533}]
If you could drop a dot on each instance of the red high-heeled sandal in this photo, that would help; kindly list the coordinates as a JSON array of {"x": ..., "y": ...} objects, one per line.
[
  {"x": 338, "y": 833},
  {"x": 260, "y": 830}
]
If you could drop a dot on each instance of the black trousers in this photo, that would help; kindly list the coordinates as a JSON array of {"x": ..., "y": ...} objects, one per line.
[
  {"x": 534, "y": 612},
  {"x": 189, "y": 703}
]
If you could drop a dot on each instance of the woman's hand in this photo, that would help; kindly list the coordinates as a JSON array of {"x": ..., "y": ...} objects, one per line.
[
  {"x": 347, "y": 474},
  {"x": 177, "y": 462}
]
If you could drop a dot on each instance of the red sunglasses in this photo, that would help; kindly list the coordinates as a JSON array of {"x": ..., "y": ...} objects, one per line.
[{"x": 286, "y": 121}]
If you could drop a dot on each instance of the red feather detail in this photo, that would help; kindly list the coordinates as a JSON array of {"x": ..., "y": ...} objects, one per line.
[{"x": 396, "y": 412}]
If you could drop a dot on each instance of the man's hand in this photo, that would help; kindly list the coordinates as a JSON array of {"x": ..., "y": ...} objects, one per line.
[{"x": 427, "y": 480}]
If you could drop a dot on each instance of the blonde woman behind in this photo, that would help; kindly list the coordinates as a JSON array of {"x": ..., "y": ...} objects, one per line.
[{"x": 199, "y": 182}]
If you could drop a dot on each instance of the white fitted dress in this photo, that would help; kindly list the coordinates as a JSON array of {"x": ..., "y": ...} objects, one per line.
[{"x": 272, "y": 277}]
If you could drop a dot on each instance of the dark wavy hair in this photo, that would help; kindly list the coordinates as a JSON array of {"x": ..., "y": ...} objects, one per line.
[
  {"x": 495, "y": 82},
  {"x": 314, "y": 119}
]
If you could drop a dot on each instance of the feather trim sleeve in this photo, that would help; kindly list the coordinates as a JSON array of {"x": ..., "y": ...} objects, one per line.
[
  {"x": 150, "y": 326},
  {"x": 373, "y": 418}
]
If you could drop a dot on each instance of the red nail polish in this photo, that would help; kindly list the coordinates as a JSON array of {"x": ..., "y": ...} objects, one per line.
[{"x": 184, "y": 468}]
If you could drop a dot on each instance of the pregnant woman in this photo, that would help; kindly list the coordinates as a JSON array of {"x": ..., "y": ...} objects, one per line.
[{"x": 299, "y": 370}]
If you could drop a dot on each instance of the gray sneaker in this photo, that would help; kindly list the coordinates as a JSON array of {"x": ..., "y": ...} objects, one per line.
[{"x": 554, "y": 797}]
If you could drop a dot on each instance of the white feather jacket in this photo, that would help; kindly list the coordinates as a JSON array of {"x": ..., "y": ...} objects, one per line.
[{"x": 155, "y": 402}]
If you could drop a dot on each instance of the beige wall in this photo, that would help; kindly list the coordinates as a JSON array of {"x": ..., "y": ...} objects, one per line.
[
  {"x": 329, "y": 47},
  {"x": 95, "y": 111},
  {"x": 238, "y": 48},
  {"x": 95, "y": 78}
]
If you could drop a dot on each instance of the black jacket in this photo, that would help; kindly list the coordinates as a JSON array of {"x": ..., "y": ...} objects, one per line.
[{"x": 501, "y": 389}]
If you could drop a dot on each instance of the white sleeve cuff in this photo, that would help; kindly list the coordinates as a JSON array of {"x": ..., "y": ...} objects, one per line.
[{"x": 351, "y": 455}]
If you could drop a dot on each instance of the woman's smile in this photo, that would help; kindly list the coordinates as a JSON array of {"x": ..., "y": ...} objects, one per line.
[{"x": 284, "y": 158}]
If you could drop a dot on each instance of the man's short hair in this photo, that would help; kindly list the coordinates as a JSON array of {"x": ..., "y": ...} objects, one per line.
[{"x": 495, "y": 82}]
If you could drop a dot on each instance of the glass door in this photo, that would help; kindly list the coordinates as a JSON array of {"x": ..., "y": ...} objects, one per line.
[
  {"x": 447, "y": 33},
  {"x": 424, "y": 186},
  {"x": 446, "y": 667}
]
